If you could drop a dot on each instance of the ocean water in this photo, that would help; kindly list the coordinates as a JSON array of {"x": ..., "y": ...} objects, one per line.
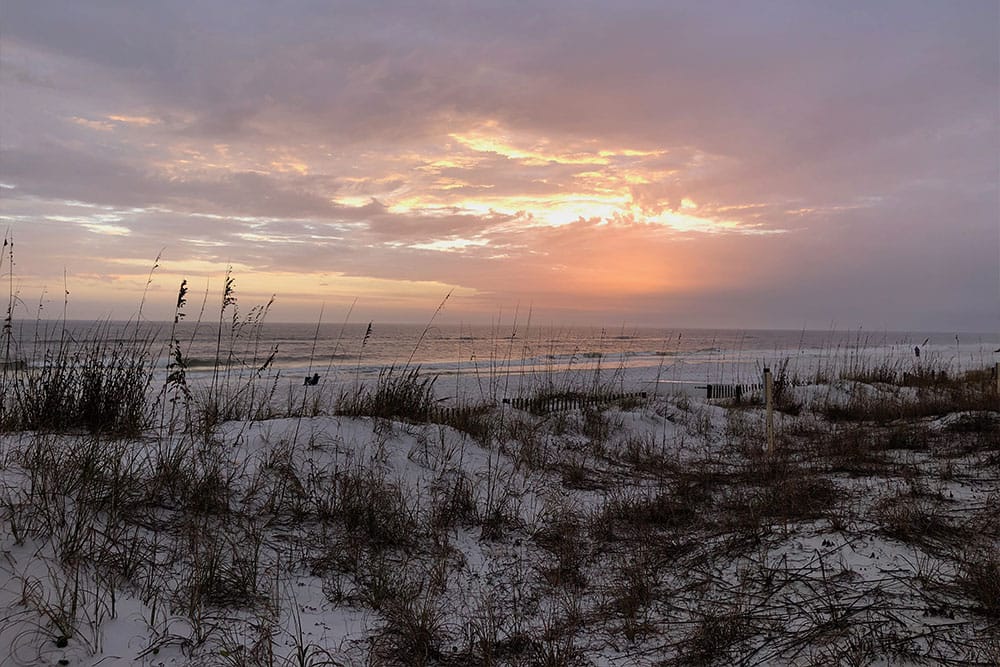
[{"x": 359, "y": 351}]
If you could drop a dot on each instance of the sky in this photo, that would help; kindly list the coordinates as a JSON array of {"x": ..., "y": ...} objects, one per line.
[{"x": 674, "y": 164}]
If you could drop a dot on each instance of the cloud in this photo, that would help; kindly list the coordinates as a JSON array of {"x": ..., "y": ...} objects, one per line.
[{"x": 564, "y": 152}]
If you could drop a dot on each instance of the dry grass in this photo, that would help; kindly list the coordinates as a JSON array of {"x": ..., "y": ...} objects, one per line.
[{"x": 100, "y": 385}]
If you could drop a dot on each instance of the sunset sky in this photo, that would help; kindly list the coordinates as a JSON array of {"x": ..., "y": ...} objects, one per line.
[{"x": 704, "y": 163}]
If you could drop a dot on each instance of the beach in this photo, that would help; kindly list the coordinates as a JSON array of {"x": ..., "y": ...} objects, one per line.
[{"x": 573, "y": 501}]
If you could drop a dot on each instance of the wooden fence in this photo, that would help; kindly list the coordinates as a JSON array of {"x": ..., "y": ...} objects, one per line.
[
  {"x": 736, "y": 391},
  {"x": 544, "y": 404}
]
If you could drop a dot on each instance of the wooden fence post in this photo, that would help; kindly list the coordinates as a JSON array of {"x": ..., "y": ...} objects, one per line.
[{"x": 769, "y": 403}]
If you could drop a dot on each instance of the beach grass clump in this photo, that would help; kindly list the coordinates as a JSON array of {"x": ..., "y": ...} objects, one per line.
[
  {"x": 562, "y": 534},
  {"x": 766, "y": 493},
  {"x": 399, "y": 393},
  {"x": 977, "y": 422},
  {"x": 373, "y": 510},
  {"x": 629, "y": 592},
  {"x": 99, "y": 385},
  {"x": 482, "y": 422},
  {"x": 867, "y": 371},
  {"x": 76, "y": 485},
  {"x": 225, "y": 567},
  {"x": 627, "y": 515},
  {"x": 243, "y": 381},
  {"x": 916, "y": 518},
  {"x": 853, "y": 449},
  {"x": 716, "y": 635},
  {"x": 453, "y": 501},
  {"x": 933, "y": 394},
  {"x": 979, "y": 579},
  {"x": 414, "y": 631},
  {"x": 797, "y": 498}
]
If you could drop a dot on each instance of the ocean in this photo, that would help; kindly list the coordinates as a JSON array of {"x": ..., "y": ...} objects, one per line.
[{"x": 360, "y": 350}]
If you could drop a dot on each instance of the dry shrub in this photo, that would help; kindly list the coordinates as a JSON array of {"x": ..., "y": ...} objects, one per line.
[
  {"x": 715, "y": 636},
  {"x": 855, "y": 450},
  {"x": 916, "y": 519},
  {"x": 630, "y": 515},
  {"x": 453, "y": 501},
  {"x": 631, "y": 591},
  {"x": 414, "y": 632},
  {"x": 480, "y": 422},
  {"x": 562, "y": 535}
]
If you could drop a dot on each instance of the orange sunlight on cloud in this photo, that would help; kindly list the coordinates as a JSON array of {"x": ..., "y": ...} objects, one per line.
[{"x": 580, "y": 191}]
